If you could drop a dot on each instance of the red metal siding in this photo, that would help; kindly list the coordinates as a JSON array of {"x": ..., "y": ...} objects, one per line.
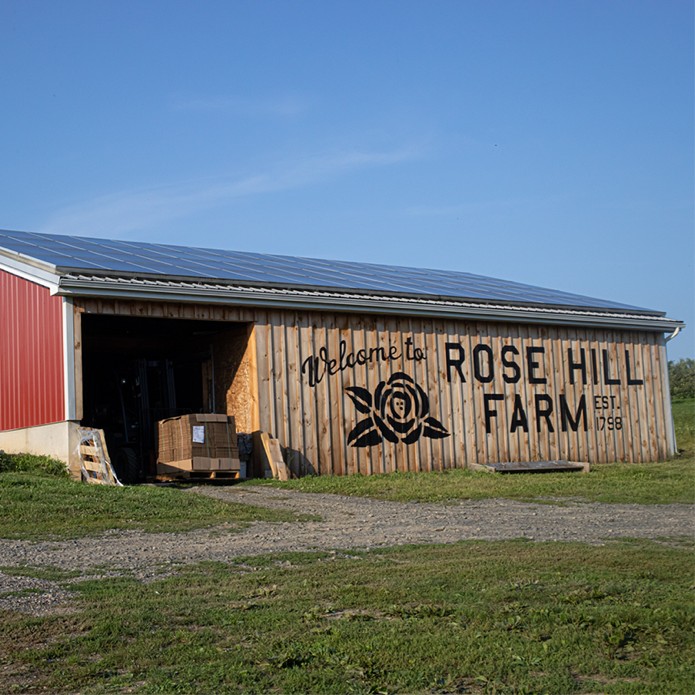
[{"x": 31, "y": 354}]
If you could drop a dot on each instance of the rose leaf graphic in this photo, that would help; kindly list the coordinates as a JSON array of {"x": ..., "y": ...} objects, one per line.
[
  {"x": 361, "y": 398},
  {"x": 434, "y": 429}
]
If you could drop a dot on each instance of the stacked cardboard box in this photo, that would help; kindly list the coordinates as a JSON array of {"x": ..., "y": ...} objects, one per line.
[{"x": 197, "y": 443}]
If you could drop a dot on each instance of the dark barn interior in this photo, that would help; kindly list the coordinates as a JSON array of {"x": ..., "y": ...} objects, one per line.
[{"x": 137, "y": 371}]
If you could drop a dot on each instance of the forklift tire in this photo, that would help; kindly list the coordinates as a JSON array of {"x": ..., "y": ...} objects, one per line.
[{"x": 125, "y": 464}]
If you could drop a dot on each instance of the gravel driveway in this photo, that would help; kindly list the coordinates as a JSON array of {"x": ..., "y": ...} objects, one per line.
[{"x": 345, "y": 522}]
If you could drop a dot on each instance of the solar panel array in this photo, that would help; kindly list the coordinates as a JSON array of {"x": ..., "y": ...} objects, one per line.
[{"x": 132, "y": 258}]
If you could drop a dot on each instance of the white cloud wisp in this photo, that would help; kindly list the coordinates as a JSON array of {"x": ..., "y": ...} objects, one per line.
[{"x": 132, "y": 211}]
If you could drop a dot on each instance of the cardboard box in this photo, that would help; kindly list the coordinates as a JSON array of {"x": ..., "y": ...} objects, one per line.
[
  {"x": 205, "y": 463},
  {"x": 174, "y": 468},
  {"x": 208, "y": 435}
]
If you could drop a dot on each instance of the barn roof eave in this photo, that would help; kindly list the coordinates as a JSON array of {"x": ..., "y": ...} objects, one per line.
[{"x": 322, "y": 300}]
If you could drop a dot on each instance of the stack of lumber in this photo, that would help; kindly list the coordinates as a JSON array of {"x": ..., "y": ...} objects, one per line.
[{"x": 200, "y": 444}]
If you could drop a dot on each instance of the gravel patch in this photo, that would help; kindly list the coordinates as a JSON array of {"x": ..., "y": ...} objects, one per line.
[
  {"x": 345, "y": 523},
  {"x": 32, "y": 596}
]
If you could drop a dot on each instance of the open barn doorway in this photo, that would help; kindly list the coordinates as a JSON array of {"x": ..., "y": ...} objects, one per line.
[{"x": 137, "y": 371}]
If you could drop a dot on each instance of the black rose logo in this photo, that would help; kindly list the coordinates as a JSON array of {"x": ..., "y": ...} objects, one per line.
[{"x": 398, "y": 411}]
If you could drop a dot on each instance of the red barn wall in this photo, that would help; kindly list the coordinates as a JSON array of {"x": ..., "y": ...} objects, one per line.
[{"x": 31, "y": 354}]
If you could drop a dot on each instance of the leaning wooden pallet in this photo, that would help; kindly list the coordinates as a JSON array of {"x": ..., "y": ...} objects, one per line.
[
  {"x": 94, "y": 458},
  {"x": 269, "y": 454}
]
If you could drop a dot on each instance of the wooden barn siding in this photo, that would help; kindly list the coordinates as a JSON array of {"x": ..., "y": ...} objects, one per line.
[
  {"x": 315, "y": 422},
  {"x": 154, "y": 309}
]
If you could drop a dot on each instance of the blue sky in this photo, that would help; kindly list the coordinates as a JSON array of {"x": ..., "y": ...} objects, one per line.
[{"x": 547, "y": 142}]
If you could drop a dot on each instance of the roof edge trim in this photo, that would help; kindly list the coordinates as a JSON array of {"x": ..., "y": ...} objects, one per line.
[
  {"x": 350, "y": 303},
  {"x": 29, "y": 272},
  {"x": 139, "y": 279}
]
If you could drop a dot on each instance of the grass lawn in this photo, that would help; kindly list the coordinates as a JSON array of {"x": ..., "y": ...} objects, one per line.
[
  {"x": 36, "y": 505},
  {"x": 474, "y": 617},
  {"x": 651, "y": 483},
  {"x": 684, "y": 422},
  {"x": 642, "y": 483}
]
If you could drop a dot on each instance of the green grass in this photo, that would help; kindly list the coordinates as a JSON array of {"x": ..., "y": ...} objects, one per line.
[
  {"x": 652, "y": 483},
  {"x": 42, "y": 506},
  {"x": 684, "y": 422},
  {"x": 474, "y": 617},
  {"x": 32, "y": 463},
  {"x": 665, "y": 482}
]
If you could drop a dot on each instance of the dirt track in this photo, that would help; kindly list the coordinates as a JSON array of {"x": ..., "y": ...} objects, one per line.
[{"x": 346, "y": 522}]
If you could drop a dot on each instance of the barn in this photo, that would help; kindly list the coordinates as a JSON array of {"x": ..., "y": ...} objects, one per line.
[{"x": 352, "y": 367}]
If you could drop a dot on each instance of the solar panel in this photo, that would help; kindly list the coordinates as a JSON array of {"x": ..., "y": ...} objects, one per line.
[{"x": 72, "y": 253}]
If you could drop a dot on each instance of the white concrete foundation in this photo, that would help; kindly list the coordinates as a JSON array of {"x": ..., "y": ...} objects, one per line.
[{"x": 59, "y": 440}]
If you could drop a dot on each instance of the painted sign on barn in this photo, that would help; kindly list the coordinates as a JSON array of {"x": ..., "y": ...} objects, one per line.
[
  {"x": 371, "y": 395},
  {"x": 398, "y": 410}
]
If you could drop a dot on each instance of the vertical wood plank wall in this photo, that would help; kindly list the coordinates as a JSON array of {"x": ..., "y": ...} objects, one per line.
[
  {"x": 519, "y": 392},
  {"x": 483, "y": 392}
]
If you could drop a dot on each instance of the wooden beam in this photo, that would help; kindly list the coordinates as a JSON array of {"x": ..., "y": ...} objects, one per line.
[{"x": 77, "y": 347}]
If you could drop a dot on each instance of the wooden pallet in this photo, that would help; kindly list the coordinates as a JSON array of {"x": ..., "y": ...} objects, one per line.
[
  {"x": 534, "y": 467},
  {"x": 200, "y": 475},
  {"x": 268, "y": 452},
  {"x": 94, "y": 458}
]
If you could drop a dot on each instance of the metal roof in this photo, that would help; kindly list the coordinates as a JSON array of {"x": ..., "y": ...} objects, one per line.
[
  {"x": 65, "y": 255},
  {"x": 105, "y": 286}
]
